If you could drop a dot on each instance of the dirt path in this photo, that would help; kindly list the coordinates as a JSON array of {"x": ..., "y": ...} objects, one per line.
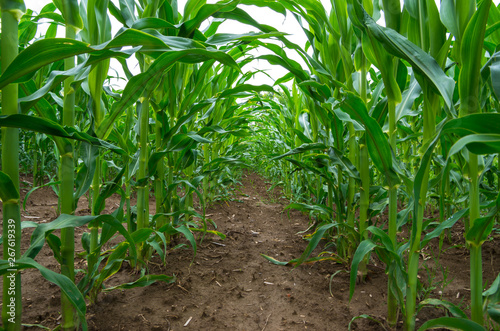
[{"x": 230, "y": 286}]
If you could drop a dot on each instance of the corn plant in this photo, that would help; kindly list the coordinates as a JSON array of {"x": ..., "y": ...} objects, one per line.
[{"x": 11, "y": 309}]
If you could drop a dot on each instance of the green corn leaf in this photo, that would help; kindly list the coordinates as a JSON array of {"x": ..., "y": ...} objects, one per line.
[
  {"x": 399, "y": 46},
  {"x": 36, "y": 188},
  {"x": 64, "y": 283},
  {"x": 494, "y": 289},
  {"x": 478, "y": 144},
  {"x": 85, "y": 174},
  {"x": 192, "y": 7},
  {"x": 447, "y": 224},
  {"x": 319, "y": 209},
  {"x": 113, "y": 265},
  {"x": 202, "y": 13},
  {"x": 107, "y": 191},
  {"x": 246, "y": 88},
  {"x": 409, "y": 97},
  {"x": 494, "y": 312},
  {"x": 46, "y": 51},
  {"x": 148, "y": 80},
  {"x": 338, "y": 159},
  {"x": 384, "y": 238},
  {"x": 49, "y": 127},
  {"x": 480, "y": 231},
  {"x": 301, "y": 149},
  {"x": 71, "y": 13},
  {"x": 452, "y": 323},
  {"x": 471, "y": 55},
  {"x": 453, "y": 309},
  {"x": 378, "y": 145},
  {"x": 273, "y": 260},
  {"x": 312, "y": 260},
  {"x": 8, "y": 191},
  {"x": 455, "y": 15},
  {"x": 224, "y": 38},
  {"x": 65, "y": 221},
  {"x": 276, "y": 6},
  {"x": 143, "y": 282},
  {"x": 365, "y": 247},
  {"x": 152, "y": 23}
]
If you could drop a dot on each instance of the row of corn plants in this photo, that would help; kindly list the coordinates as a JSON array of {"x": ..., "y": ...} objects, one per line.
[
  {"x": 381, "y": 119},
  {"x": 175, "y": 130}
]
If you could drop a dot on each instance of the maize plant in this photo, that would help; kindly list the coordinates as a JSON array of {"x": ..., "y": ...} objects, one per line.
[{"x": 374, "y": 117}]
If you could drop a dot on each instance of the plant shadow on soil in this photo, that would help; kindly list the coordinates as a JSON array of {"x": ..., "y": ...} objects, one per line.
[{"x": 229, "y": 285}]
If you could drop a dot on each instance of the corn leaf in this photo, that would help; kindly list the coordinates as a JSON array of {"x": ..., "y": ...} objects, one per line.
[
  {"x": 399, "y": 46},
  {"x": 452, "y": 323},
  {"x": 378, "y": 145}
]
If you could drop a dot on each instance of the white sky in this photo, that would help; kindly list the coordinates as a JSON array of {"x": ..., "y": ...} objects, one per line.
[{"x": 262, "y": 15}]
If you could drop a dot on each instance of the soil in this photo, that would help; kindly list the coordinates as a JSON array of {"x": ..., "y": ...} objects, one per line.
[{"x": 230, "y": 286}]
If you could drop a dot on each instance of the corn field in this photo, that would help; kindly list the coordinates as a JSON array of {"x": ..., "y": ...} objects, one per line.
[{"x": 391, "y": 111}]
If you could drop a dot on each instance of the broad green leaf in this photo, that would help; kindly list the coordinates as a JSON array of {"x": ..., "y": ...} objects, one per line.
[
  {"x": 301, "y": 149},
  {"x": 494, "y": 288},
  {"x": 447, "y": 224},
  {"x": 480, "y": 231},
  {"x": 65, "y": 221},
  {"x": 64, "y": 283},
  {"x": 49, "y": 127},
  {"x": 494, "y": 312},
  {"x": 452, "y": 323},
  {"x": 455, "y": 15},
  {"x": 364, "y": 248},
  {"x": 143, "y": 282},
  {"x": 453, "y": 309},
  {"x": 202, "y": 13},
  {"x": 409, "y": 97},
  {"x": 246, "y": 88},
  {"x": 471, "y": 58},
  {"x": 71, "y": 12},
  {"x": 478, "y": 144},
  {"x": 8, "y": 191},
  {"x": 338, "y": 159},
  {"x": 401, "y": 47},
  {"x": 152, "y": 23},
  {"x": 378, "y": 145},
  {"x": 148, "y": 80}
]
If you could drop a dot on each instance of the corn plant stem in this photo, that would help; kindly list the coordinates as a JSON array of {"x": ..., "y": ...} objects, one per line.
[
  {"x": 392, "y": 304},
  {"x": 96, "y": 78},
  {"x": 352, "y": 183},
  {"x": 128, "y": 123},
  {"x": 10, "y": 166},
  {"x": 142, "y": 195},
  {"x": 476, "y": 271},
  {"x": 67, "y": 191},
  {"x": 206, "y": 156},
  {"x": 160, "y": 175},
  {"x": 189, "y": 198},
  {"x": 35, "y": 161},
  {"x": 339, "y": 201},
  {"x": 94, "y": 229},
  {"x": 431, "y": 104},
  {"x": 364, "y": 169}
]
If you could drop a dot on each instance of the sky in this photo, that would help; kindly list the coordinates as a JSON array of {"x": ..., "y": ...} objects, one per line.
[{"x": 286, "y": 24}]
